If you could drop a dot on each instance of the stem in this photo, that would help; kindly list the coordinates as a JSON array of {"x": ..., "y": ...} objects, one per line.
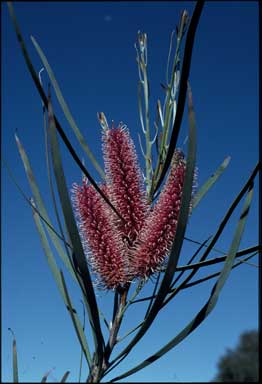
[
  {"x": 116, "y": 323},
  {"x": 148, "y": 142},
  {"x": 96, "y": 372}
]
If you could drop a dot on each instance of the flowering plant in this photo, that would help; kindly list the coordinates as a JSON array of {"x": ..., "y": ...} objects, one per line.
[{"x": 126, "y": 228}]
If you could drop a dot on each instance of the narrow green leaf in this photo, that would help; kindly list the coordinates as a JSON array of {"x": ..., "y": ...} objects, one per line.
[
  {"x": 215, "y": 260},
  {"x": 116, "y": 304},
  {"x": 140, "y": 111},
  {"x": 44, "y": 378},
  {"x": 15, "y": 364},
  {"x": 210, "y": 304},
  {"x": 169, "y": 106},
  {"x": 211, "y": 276},
  {"x": 57, "y": 276},
  {"x": 189, "y": 262},
  {"x": 232, "y": 252},
  {"x": 153, "y": 295},
  {"x": 65, "y": 108},
  {"x": 77, "y": 323},
  {"x": 120, "y": 339},
  {"x": 41, "y": 207},
  {"x": 64, "y": 378},
  {"x": 182, "y": 89},
  {"x": 210, "y": 182},
  {"x": 29, "y": 202},
  {"x": 73, "y": 233},
  {"x": 81, "y": 355},
  {"x": 52, "y": 190},
  {"x": 49, "y": 254},
  {"x": 104, "y": 318}
]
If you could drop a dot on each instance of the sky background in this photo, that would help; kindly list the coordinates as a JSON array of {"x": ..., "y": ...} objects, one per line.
[{"x": 90, "y": 47}]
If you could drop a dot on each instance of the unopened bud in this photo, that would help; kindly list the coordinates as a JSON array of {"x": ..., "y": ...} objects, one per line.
[
  {"x": 142, "y": 40},
  {"x": 102, "y": 120}
]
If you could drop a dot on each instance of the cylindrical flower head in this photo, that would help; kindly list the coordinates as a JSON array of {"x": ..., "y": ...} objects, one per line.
[
  {"x": 156, "y": 237},
  {"x": 124, "y": 181},
  {"x": 102, "y": 242}
]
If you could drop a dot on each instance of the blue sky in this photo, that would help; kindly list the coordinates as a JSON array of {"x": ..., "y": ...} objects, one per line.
[{"x": 90, "y": 47}]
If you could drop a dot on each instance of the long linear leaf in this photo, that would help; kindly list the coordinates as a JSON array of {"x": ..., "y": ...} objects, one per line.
[
  {"x": 189, "y": 262},
  {"x": 216, "y": 260},
  {"x": 28, "y": 200},
  {"x": 169, "y": 107},
  {"x": 119, "y": 339},
  {"x": 210, "y": 182},
  {"x": 45, "y": 377},
  {"x": 41, "y": 206},
  {"x": 153, "y": 295},
  {"x": 65, "y": 376},
  {"x": 74, "y": 235},
  {"x": 65, "y": 108},
  {"x": 15, "y": 364},
  {"x": 77, "y": 323},
  {"x": 47, "y": 250},
  {"x": 57, "y": 276},
  {"x": 210, "y": 304},
  {"x": 199, "y": 243},
  {"x": 211, "y": 276},
  {"x": 81, "y": 355},
  {"x": 179, "y": 236},
  {"x": 51, "y": 187},
  {"x": 182, "y": 90},
  {"x": 45, "y": 101}
]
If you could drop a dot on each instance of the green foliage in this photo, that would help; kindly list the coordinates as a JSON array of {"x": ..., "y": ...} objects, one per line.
[{"x": 240, "y": 364}]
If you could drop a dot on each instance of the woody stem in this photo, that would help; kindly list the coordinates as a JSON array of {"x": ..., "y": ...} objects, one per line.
[{"x": 96, "y": 372}]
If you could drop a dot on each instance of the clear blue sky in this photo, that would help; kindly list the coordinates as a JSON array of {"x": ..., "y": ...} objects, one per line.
[{"x": 90, "y": 47}]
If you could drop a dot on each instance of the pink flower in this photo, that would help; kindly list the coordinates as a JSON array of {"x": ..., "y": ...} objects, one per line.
[
  {"x": 135, "y": 247},
  {"x": 102, "y": 242},
  {"x": 124, "y": 181},
  {"x": 157, "y": 235}
]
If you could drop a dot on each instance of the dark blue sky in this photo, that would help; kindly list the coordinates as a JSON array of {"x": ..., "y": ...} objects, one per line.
[{"x": 90, "y": 47}]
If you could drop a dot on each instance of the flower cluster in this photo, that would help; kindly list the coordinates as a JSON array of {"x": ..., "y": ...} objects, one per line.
[{"x": 120, "y": 250}]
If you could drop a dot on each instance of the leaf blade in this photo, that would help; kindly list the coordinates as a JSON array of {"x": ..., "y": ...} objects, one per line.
[
  {"x": 65, "y": 108},
  {"x": 210, "y": 182},
  {"x": 77, "y": 323},
  {"x": 182, "y": 90},
  {"x": 40, "y": 205},
  {"x": 65, "y": 376},
  {"x": 64, "y": 293},
  {"x": 73, "y": 233},
  {"x": 15, "y": 362}
]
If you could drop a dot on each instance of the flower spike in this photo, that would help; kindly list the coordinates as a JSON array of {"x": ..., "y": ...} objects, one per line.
[
  {"x": 102, "y": 242},
  {"x": 156, "y": 237},
  {"x": 124, "y": 180}
]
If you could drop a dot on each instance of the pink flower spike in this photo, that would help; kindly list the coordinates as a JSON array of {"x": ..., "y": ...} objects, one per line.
[
  {"x": 124, "y": 181},
  {"x": 156, "y": 237},
  {"x": 102, "y": 242}
]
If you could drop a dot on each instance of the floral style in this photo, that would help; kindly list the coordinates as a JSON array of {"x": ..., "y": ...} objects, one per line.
[{"x": 136, "y": 246}]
